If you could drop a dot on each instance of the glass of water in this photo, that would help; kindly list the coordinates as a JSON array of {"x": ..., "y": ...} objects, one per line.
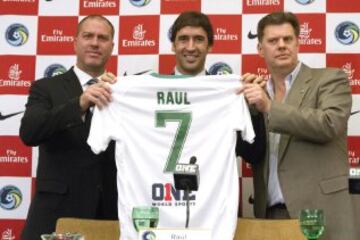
[
  {"x": 145, "y": 217},
  {"x": 312, "y": 223}
]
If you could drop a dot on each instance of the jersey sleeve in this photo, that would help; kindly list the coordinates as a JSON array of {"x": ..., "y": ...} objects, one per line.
[
  {"x": 103, "y": 128},
  {"x": 242, "y": 119}
]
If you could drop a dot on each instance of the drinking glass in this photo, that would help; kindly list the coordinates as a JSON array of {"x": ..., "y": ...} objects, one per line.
[
  {"x": 145, "y": 217},
  {"x": 61, "y": 236},
  {"x": 312, "y": 223}
]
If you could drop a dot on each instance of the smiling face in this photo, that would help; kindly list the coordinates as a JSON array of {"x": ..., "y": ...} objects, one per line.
[
  {"x": 191, "y": 46},
  {"x": 93, "y": 45},
  {"x": 279, "y": 47}
]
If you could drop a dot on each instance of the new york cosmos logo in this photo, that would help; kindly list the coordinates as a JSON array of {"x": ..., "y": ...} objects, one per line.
[
  {"x": 10, "y": 197},
  {"x": 347, "y": 33},
  {"x": 305, "y": 2},
  {"x": 139, "y": 3},
  {"x": 54, "y": 70},
  {"x": 148, "y": 235},
  {"x": 220, "y": 68},
  {"x": 17, "y": 34}
]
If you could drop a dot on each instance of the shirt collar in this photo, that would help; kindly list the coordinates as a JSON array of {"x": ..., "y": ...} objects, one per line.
[
  {"x": 289, "y": 79},
  {"x": 202, "y": 73},
  {"x": 82, "y": 76}
]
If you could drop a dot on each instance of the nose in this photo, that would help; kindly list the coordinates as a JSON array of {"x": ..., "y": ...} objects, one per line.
[
  {"x": 281, "y": 43},
  {"x": 190, "y": 45},
  {"x": 94, "y": 41}
]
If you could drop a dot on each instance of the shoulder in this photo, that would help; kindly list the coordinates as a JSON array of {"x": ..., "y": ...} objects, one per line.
[
  {"x": 58, "y": 79},
  {"x": 325, "y": 72}
]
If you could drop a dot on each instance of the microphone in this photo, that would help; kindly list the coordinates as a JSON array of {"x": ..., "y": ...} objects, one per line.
[
  {"x": 354, "y": 180},
  {"x": 186, "y": 176}
]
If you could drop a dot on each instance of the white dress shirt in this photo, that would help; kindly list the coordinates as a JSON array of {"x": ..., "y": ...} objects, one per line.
[{"x": 275, "y": 195}]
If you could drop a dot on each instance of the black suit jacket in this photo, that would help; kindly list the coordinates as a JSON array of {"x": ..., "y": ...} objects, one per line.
[{"x": 71, "y": 181}]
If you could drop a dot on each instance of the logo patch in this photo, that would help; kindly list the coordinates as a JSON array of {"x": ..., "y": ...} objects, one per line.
[
  {"x": 347, "y": 33},
  {"x": 54, "y": 70},
  {"x": 149, "y": 235},
  {"x": 305, "y": 2},
  {"x": 140, "y": 3},
  {"x": 17, "y": 34},
  {"x": 220, "y": 68},
  {"x": 10, "y": 197}
]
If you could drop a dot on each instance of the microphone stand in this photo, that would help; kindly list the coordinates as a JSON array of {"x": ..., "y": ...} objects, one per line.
[{"x": 187, "y": 191}]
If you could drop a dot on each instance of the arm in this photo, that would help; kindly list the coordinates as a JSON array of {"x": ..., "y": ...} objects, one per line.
[
  {"x": 43, "y": 118},
  {"x": 255, "y": 152}
]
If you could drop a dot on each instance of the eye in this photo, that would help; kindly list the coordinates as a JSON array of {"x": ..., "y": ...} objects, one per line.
[
  {"x": 182, "y": 38},
  {"x": 104, "y": 38},
  {"x": 199, "y": 39},
  {"x": 87, "y": 36},
  {"x": 272, "y": 41}
]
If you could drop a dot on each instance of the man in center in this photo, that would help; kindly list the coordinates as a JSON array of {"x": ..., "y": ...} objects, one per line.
[{"x": 192, "y": 38}]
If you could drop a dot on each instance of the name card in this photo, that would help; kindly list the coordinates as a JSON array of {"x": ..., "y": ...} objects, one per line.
[{"x": 175, "y": 234}]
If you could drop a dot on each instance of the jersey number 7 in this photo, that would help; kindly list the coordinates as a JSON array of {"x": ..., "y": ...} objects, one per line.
[{"x": 184, "y": 120}]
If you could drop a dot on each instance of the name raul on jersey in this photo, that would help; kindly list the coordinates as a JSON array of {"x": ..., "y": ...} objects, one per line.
[{"x": 172, "y": 98}]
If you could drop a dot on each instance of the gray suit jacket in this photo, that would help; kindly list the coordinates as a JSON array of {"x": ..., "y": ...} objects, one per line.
[{"x": 313, "y": 161}]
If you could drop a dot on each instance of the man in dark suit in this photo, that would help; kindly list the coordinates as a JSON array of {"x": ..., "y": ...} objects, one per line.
[{"x": 71, "y": 181}]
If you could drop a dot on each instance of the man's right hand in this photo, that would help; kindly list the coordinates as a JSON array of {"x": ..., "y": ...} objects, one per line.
[{"x": 98, "y": 94}]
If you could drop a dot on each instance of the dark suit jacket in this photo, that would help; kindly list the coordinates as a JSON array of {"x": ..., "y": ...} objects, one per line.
[{"x": 71, "y": 181}]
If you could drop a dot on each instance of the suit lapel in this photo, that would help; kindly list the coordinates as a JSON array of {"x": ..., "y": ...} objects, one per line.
[
  {"x": 295, "y": 98},
  {"x": 72, "y": 84},
  {"x": 73, "y": 89}
]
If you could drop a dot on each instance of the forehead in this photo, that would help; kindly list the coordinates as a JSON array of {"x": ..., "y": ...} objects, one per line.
[
  {"x": 95, "y": 25},
  {"x": 191, "y": 31},
  {"x": 284, "y": 29}
]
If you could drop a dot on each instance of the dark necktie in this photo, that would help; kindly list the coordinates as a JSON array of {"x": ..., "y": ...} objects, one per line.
[
  {"x": 92, "y": 81},
  {"x": 90, "y": 110}
]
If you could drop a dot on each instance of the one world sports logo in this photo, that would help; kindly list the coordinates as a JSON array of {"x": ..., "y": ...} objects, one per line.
[
  {"x": 54, "y": 70},
  {"x": 148, "y": 235},
  {"x": 10, "y": 197},
  {"x": 220, "y": 68},
  {"x": 347, "y": 33},
  {"x": 139, "y": 3},
  {"x": 305, "y": 2},
  {"x": 17, "y": 34}
]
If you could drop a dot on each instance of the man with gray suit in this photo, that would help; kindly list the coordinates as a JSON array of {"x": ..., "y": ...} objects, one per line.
[{"x": 306, "y": 112}]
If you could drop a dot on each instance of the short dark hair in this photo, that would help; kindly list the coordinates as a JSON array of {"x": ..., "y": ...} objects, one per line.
[
  {"x": 278, "y": 18},
  {"x": 192, "y": 19},
  {"x": 93, "y": 16}
]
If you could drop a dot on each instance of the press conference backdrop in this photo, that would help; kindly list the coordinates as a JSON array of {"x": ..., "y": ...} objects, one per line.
[{"x": 37, "y": 41}]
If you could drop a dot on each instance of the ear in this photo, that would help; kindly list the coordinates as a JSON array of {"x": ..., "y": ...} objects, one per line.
[
  {"x": 260, "y": 50},
  {"x": 75, "y": 43},
  {"x": 209, "y": 49},
  {"x": 173, "y": 47}
]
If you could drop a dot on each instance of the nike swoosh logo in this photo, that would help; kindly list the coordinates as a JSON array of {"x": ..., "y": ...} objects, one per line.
[
  {"x": 138, "y": 73},
  {"x": 353, "y": 113},
  {"x": 3, "y": 117},
  {"x": 251, "y": 35}
]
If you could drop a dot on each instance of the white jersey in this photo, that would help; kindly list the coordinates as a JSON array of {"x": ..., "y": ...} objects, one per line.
[{"x": 159, "y": 121}]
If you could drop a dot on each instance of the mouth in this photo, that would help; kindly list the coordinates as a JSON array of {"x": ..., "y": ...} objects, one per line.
[
  {"x": 190, "y": 58},
  {"x": 93, "y": 53},
  {"x": 282, "y": 56}
]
